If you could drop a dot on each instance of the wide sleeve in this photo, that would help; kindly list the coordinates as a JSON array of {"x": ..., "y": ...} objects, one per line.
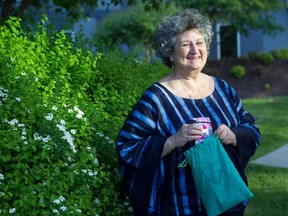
[
  {"x": 139, "y": 146},
  {"x": 247, "y": 133}
]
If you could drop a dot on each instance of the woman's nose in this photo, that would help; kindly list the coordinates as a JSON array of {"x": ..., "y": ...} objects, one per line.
[{"x": 193, "y": 48}]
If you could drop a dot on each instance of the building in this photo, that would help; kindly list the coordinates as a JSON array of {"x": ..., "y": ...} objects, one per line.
[{"x": 237, "y": 45}]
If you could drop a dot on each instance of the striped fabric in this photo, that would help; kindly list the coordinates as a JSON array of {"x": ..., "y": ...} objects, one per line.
[{"x": 158, "y": 115}]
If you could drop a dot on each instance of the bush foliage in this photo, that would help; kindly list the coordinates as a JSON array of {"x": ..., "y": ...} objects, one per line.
[
  {"x": 238, "y": 71},
  {"x": 265, "y": 57},
  {"x": 61, "y": 108},
  {"x": 281, "y": 54}
]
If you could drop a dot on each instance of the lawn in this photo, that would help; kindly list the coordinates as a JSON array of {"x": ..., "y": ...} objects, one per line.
[{"x": 269, "y": 185}]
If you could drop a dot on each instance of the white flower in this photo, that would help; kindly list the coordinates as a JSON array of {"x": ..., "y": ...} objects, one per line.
[
  {"x": 18, "y": 99},
  {"x": 97, "y": 200},
  {"x": 73, "y": 131},
  {"x": 70, "y": 110},
  {"x": 91, "y": 173},
  {"x": 12, "y": 210},
  {"x": 49, "y": 117},
  {"x": 80, "y": 113},
  {"x": 36, "y": 136},
  {"x": 1, "y": 176},
  {"x": 59, "y": 200},
  {"x": 100, "y": 134},
  {"x": 3, "y": 89},
  {"x": 55, "y": 211},
  {"x": 54, "y": 108},
  {"x": 96, "y": 161},
  {"x": 61, "y": 127},
  {"x": 44, "y": 139},
  {"x": 47, "y": 139},
  {"x": 63, "y": 208},
  {"x": 13, "y": 122},
  {"x": 23, "y": 131},
  {"x": 70, "y": 159},
  {"x": 62, "y": 122},
  {"x": 68, "y": 137},
  {"x": 3, "y": 93},
  {"x": 62, "y": 199}
]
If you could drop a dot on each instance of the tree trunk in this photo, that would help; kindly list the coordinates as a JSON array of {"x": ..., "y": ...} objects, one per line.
[
  {"x": 148, "y": 52},
  {"x": 6, "y": 9},
  {"x": 22, "y": 8}
]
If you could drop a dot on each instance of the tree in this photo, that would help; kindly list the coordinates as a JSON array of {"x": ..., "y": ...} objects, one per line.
[
  {"x": 244, "y": 15},
  {"x": 75, "y": 9},
  {"x": 134, "y": 26}
]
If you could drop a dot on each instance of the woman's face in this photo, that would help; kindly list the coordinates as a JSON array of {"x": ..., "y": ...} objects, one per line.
[{"x": 190, "y": 51}]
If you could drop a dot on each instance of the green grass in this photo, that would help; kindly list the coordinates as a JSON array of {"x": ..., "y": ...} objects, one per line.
[{"x": 269, "y": 184}]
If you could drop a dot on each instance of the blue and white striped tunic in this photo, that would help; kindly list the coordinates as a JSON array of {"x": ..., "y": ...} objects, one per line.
[{"x": 156, "y": 184}]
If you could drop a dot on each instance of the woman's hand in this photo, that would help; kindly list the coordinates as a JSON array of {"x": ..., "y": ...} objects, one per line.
[
  {"x": 186, "y": 133},
  {"x": 225, "y": 135}
]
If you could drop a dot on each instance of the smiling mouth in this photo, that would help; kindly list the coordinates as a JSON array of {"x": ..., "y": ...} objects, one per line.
[{"x": 194, "y": 58}]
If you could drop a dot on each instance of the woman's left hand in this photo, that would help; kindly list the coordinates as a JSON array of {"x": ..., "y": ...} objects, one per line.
[{"x": 225, "y": 135}]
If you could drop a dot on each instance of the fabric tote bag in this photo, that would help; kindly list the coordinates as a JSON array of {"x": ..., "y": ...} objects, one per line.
[{"x": 218, "y": 182}]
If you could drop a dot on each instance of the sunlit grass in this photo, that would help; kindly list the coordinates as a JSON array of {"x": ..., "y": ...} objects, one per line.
[
  {"x": 269, "y": 184},
  {"x": 272, "y": 117}
]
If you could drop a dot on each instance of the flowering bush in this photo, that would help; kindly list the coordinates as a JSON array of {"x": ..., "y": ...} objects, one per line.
[{"x": 55, "y": 156}]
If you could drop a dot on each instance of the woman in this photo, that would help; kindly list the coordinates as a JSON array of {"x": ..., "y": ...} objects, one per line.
[{"x": 150, "y": 142}]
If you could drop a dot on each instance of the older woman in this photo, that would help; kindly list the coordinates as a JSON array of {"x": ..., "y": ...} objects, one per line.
[{"x": 150, "y": 142}]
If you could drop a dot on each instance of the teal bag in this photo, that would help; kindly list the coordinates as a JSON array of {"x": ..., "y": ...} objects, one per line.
[{"x": 218, "y": 182}]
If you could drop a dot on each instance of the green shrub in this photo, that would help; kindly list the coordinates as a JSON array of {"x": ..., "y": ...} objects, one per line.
[
  {"x": 238, "y": 71},
  {"x": 281, "y": 54},
  {"x": 265, "y": 57},
  {"x": 125, "y": 77},
  {"x": 267, "y": 86},
  {"x": 56, "y": 156}
]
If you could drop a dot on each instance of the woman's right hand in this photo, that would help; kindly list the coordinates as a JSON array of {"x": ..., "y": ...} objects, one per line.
[{"x": 188, "y": 132}]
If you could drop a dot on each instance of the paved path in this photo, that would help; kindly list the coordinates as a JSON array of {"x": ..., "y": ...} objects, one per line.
[{"x": 277, "y": 158}]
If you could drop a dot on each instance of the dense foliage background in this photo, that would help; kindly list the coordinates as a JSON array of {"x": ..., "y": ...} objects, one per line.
[{"x": 61, "y": 107}]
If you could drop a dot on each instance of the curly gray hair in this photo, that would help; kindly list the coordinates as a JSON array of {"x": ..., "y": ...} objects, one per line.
[{"x": 171, "y": 26}]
